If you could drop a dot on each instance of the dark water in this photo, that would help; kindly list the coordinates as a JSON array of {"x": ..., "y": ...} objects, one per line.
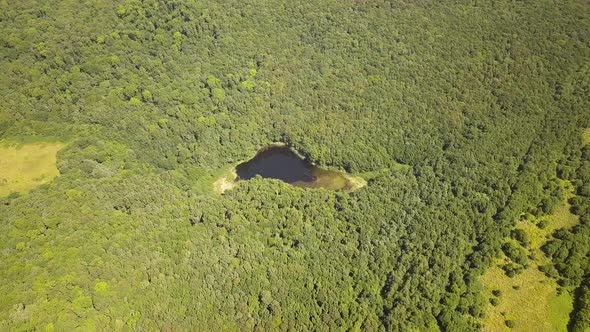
[{"x": 280, "y": 162}]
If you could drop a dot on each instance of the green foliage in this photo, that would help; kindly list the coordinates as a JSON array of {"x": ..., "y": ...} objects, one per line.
[
  {"x": 516, "y": 253},
  {"x": 147, "y": 96},
  {"x": 542, "y": 224},
  {"x": 101, "y": 288},
  {"x": 218, "y": 94},
  {"x": 521, "y": 236},
  {"x": 510, "y": 323},
  {"x": 512, "y": 269},
  {"x": 569, "y": 249},
  {"x": 134, "y": 101},
  {"x": 152, "y": 97},
  {"x": 581, "y": 319},
  {"x": 549, "y": 270}
]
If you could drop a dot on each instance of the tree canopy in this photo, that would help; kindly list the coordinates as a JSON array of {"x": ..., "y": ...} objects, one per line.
[{"x": 461, "y": 116}]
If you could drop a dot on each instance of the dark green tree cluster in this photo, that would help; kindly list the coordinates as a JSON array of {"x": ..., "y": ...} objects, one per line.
[
  {"x": 580, "y": 320},
  {"x": 481, "y": 102}
]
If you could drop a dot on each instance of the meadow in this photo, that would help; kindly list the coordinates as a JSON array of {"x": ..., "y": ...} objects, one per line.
[
  {"x": 461, "y": 117},
  {"x": 26, "y": 166},
  {"x": 531, "y": 300}
]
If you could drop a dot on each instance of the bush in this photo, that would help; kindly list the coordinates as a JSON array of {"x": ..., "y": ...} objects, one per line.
[
  {"x": 494, "y": 301},
  {"x": 516, "y": 253},
  {"x": 542, "y": 224},
  {"x": 521, "y": 236},
  {"x": 549, "y": 270},
  {"x": 512, "y": 270}
]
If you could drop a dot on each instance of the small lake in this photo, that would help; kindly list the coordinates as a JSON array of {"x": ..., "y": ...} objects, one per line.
[{"x": 280, "y": 162}]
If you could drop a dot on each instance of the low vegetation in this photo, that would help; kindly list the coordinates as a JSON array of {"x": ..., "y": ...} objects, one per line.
[
  {"x": 26, "y": 166},
  {"x": 226, "y": 182},
  {"x": 529, "y": 299},
  {"x": 460, "y": 115},
  {"x": 569, "y": 249}
]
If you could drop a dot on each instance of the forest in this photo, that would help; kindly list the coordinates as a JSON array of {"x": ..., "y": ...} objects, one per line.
[{"x": 463, "y": 117}]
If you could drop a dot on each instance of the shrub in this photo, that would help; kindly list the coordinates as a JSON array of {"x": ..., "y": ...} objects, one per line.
[
  {"x": 516, "y": 253},
  {"x": 542, "y": 224},
  {"x": 511, "y": 269},
  {"x": 494, "y": 301},
  {"x": 521, "y": 236}
]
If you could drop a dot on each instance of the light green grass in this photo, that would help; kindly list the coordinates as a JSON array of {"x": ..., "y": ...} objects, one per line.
[
  {"x": 558, "y": 306},
  {"x": 560, "y": 218},
  {"x": 535, "y": 305},
  {"x": 206, "y": 181},
  {"x": 24, "y": 167},
  {"x": 226, "y": 182},
  {"x": 586, "y": 136}
]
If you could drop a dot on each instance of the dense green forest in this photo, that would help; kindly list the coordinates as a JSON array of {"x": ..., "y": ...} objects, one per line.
[{"x": 461, "y": 115}]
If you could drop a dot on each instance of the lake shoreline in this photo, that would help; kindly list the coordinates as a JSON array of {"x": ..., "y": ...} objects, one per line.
[{"x": 280, "y": 161}]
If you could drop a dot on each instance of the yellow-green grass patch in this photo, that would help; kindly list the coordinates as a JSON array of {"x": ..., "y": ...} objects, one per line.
[
  {"x": 560, "y": 218},
  {"x": 586, "y": 136},
  {"x": 530, "y": 299},
  {"x": 26, "y": 166},
  {"x": 226, "y": 182}
]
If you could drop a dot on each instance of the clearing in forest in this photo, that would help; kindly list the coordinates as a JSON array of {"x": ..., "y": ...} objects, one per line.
[
  {"x": 26, "y": 166},
  {"x": 531, "y": 300},
  {"x": 226, "y": 182}
]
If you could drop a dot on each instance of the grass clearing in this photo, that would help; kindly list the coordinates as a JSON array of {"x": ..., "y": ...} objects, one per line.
[
  {"x": 226, "y": 182},
  {"x": 26, "y": 166},
  {"x": 356, "y": 182},
  {"x": 558, "y": 307},
  {"x": 531, "y": 299},
  {"x": 561, "y": 218}
]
